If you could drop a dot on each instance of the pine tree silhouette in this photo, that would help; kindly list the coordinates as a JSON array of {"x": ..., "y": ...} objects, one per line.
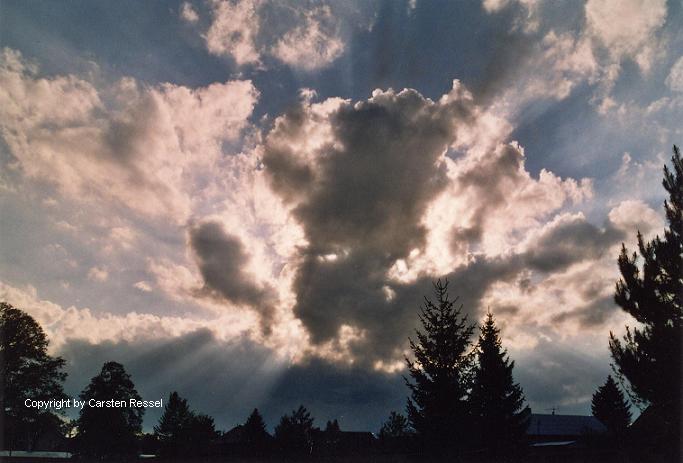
[
  {"x": 648, "y": 358},
  {"x": 611, "y": 408},
  {"x": 254, "y": 432},
  {"x": 441, "y": 375},
  {"x": 497, "y": 401}
]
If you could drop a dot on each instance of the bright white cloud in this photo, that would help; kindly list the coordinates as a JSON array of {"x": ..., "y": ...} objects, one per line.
[
  {"x": 634, "y": 215},
  {"x": 627, "y": 28},
  {"x": 312, "y": 45},
  {"x": 143, "y": 286},
  {"x": 613, "y": 31},
  {"x": 63, "y": 324},
  {"x": 304, "y": 38},
  {"x": 150, "y": 148},
  {"x": 234, "y": 29},
  {"x": 188, "y": 13}
]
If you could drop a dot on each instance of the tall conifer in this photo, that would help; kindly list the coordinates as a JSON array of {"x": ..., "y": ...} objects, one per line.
[
  {"x": 610, "y": 407},
  {"x": 441, "y": 374},
  {"x": 497, "y": 401}
]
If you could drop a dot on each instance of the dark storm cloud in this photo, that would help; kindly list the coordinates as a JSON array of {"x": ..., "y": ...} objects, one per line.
[
  {"x": 594, "y": 313},
  {"x": 360, "y": 197},
  {"x": 221, "y": 258},
  {"x": 227, "y": 379},
  {"x": 571, "y": 241},
  {"x": 491, "y": 180},
  {"x": 371, "y": 186},
  {"x": 362, "y": 201}
]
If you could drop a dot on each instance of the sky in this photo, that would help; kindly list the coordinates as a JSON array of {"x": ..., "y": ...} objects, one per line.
[{"x": 245, "y": 201}]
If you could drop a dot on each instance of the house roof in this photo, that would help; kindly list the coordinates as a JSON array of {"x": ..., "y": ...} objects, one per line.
[{"x": 563, "y": 425}]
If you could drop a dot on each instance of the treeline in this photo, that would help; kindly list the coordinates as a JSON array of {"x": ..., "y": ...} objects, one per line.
[{"x": 459, "y": 390}]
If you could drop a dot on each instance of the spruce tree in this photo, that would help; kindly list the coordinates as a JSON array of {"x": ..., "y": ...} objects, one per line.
[
  {"x": 648, "y": 357},
  {"x": 497, "y": 401},
  {"x": 254, "y": 430},
  {"x": 173, "y": 425},
  {"x": 611, "y": 408},
  {"x": 441, "y": 375},
  {"x": 182, "y": 432}
]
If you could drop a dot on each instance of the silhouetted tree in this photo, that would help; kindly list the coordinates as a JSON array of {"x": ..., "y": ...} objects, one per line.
[
  {"x": 202, "y": 433},
  {"x": 441, "y": 375},
  {"x": 181, "y": 432},
  {"x": 497, "y": 401},
  {"x": 254, "y": 430},
  {"x": 332, "y": 427},
  {"x": 611, "y": 408},
  {"x": 295, "y": 433},
  {"x": 396, "y": 426},
  {"x": 648, "y": 358},
  {"x": 109, "y": 431},
  {"x": 28, "y": 372},
  {"x": 173, "y": 425}
]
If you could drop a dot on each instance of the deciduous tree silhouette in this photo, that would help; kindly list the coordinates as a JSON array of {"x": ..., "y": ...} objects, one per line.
[
  {"x": 441, "y": 375},
  {"x": 109, "y": 432},
  {"x": 28, "y": 372},
  {"x": 611, "y": 408},
  {"x": 648, "y": 358},
  {"x": 295, "y": 433},
  {"x": 497, "y": 401}
]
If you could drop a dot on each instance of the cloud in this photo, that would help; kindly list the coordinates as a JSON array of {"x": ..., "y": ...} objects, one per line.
[
  {"x": 221, "y": 259},
  {"x": 634, "y": 215},
  {"x": 528, "y": 20},
  {"x": 233, "y": 30},
  {"x": 355, "y": 181},
  {"x": 188, "y": 13},
  {"x": 675, "y": 78},
  {"x": 557, "y": 56},
  {"x": 378, "y": 196},
  {"x": 143, "y": 286},
  {"x": 98, "y": 274},
  {"x": 312, "y": 45},
  {"x": 63, "y": 325},
  {"x": 306, "y": 38},
  {"x": 568, "y": 239},
  {"x": 631, "y": 33},
  {"x": 150, "y": 149}
]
